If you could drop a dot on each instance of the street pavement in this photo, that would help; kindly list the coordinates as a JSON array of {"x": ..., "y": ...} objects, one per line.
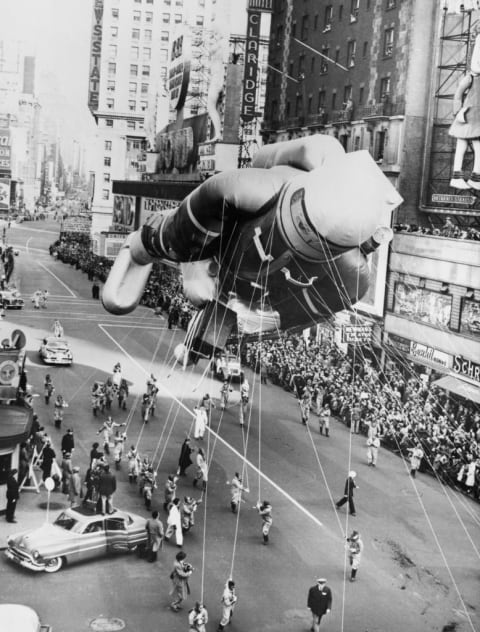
[{"x": 421, "y": 564}]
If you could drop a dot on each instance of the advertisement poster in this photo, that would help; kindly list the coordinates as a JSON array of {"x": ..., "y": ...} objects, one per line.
[{"x": 4, "y": 194}]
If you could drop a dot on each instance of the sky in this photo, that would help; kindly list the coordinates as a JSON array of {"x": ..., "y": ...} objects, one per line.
[{"x": 57, "y": 33}]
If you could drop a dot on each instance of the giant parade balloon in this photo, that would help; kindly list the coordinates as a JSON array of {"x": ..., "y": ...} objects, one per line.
[{"x": 280, "y": 245}]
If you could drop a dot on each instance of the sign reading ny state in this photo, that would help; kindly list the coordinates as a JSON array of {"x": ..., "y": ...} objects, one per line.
[{"x": 95, "y": 55}]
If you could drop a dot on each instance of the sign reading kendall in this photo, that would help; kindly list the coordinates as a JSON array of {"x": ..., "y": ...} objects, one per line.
[
  {"x": 95, "y": 56},
  {"x": 252, "y": 47},
  {"x": 462, "y": 366}
]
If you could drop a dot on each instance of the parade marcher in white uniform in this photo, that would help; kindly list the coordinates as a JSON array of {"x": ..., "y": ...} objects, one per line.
[
  {"x": 118, "y": 447},
  {"x": 117, "y": 376},
  {"x": 244, "y": 398},
  {"x": 324, "y": 420},
  {"x": 416, "y": 456},
  {"x": 57, "y": 329},
  {"x": 198, "y": 618},
  {"x": 202, "y": 469},
  {"x": 225, "y": 391},
  {"x": 200, "y": 423},
  {"x": 373, "y": 442},
  {"x": 355, "y": 548},
  {"x": 189, "y": 507},
  {"x": 107, "y": 430},
  {"x": 305, "y": 403},
  {"x": 265, "y": 511},
  {"x": 229, "y": 599},
  {"x": 133, "y": 464},
  {"x": 174, "y": 523},
  {"x": 237, "y": 488}
]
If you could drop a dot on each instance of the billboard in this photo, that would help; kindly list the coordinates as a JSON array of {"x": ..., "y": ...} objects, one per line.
[
  {"x": 155, "y": 206},
  {"x": 123, "y": 212},
  {"x": 4, "y": 194},
  {"x": 252, "y": 47},
  {"x": 95, "y": 56},
  {"x": 5, "y": 143},
  {"x": 177, "y": 146},
  {"x": 179, "y": 73},
  {"x": 357, "y": 334}
]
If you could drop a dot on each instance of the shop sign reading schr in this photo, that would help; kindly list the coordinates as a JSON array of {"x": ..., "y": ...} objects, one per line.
[{"x": 462, "y": 366}]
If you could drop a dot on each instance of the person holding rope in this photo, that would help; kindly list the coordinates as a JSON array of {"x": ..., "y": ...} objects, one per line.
[
  {"x": 179, "y": 577},
  {"x": 244, "y": 398},
  {"x": 236, "y": 488},
  {"x": 355, "y": 548},
  {"x": 225, "y": 391},
  {"x": 170, "y": 491},
  {"x": 229, "y": 599},
  {"x": 200, "y": 423},
  {"x": 202, "y": 470},
  {"x": 189, "y": 507},
  {"x": 184, "y": 460},
  {"x": 265, "y": 511},
  {"x": 198, "y": 618}
]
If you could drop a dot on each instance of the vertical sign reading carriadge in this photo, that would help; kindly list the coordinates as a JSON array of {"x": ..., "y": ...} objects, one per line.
[
  {"x": 252, "y": 46},
  {"x": 95, "y": 55}
]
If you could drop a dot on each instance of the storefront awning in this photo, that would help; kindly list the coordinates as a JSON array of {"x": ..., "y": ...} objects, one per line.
[{"x": 459, "y": 387}]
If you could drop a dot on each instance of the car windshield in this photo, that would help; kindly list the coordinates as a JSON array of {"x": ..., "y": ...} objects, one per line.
[
  {"x": 64, "y": 521},
  {"x": 57, "y": 343}
]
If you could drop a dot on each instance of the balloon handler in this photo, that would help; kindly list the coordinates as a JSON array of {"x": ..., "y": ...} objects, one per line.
[{"x": 278, "y": 246}]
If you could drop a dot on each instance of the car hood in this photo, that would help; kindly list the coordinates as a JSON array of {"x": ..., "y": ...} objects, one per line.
[{"x": 45, "y": 535}]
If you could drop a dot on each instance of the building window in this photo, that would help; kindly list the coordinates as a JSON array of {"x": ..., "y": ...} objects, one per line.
[
  {"x": 199, "y": 20},
  {"x": 105, "y": 194},
  {"x": 146, "y": 71},
  {"x": 315, "y": 22},
  {"x": 334, "y": 100},
  {"x": 106, "y": 177},
  {"x": 138, "y": 1},
  {"x": 388, "y": 42},
  {"x": 178, "y": 18},
  {"x": 136, "y": 34},
  {"x": 324, "y": 62},
  {"x": 114, "y": 31},
  {"x": 298, "y": 105},
  {"x": 347, "y": 95},
  {"x": 304, "y": 34},
  {"x": 108, "y": 145},
  {"x": 133, "y": 70},
  {"x": 147, "y": 54},
  {"x": 365, "y": 49},
  {"x": 110, "y": 86},
  {"x": 147, "y": 35},
  {"x": 391, "y": 4},
  {"x": 379, "y": 146},
  {"x": 164, "y": 37},
  {"x": 112, "y": 68},
  {"x": 361, "y": 95},
  {"x": 132, "y": 88},
  {"x": 340, "y": 13},
  {"x": 328, "y": 19},
  {"x": 287, "y": 109},
  {"x": 112, "y": 51},
  {"x": 354, "y": 10},
  {"x": 148, "y": 17},
  {"x": 110, "y": 104},
  {"x": 115, "y": 14},
  {"x": 351, "y": 50},
  {"x": 149, "y": 1},
  {"x": 179, "y": 3},
  {"x": 143, "y": 105},
  {"x": 107, "y": 161},
  {"x": 384, "y": 89},
  {"x": 312, "y": 65},
  {"x": 432, "y": 308},
  {"x": 132, "y": 106},
  {"x": 337, "y": 55},
  {"x": 163, "y": 56},
  {"x": 108, "y": 122},
  {"x": 309, "y": 104},
  {"x": 144, "y": 88},
  {"x": 470, "y": 318},
  {"x": 290, "y": 69},
  {"x": 322, "y": 96},
  {"x": 301, "y": 67},
  {"x": 134, "y": 52},
  {"x": 293, "y": 29},
  {"x": 167, "y": 3},
  {"x": 137, "y": 16},
  {"x": 166, "y": 18},
  {"x": 131, "y": 124},
  {"x": 201, "y": 3}
]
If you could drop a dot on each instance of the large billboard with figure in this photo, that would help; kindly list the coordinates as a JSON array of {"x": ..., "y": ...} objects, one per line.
[{"x": 123, "y": 212}]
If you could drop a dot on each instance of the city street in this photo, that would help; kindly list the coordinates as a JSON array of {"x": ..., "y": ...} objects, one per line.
[{"x": 421, "y": 563}]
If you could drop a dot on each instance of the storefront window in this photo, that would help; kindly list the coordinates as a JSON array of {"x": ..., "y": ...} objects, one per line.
[
  {"x": 470, "y": 318},
  {"x": 425, "y": 306}
]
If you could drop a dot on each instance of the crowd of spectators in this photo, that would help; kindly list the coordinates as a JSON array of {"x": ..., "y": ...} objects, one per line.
[
  {"x": 163, "y": 291},
  {"x": 409, "y": 411},
  {"x": 449, "y": 229}
]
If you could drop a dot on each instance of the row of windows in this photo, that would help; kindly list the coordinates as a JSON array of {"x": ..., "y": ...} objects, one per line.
[
  {"x": 135, "y": 52},
  {"x": 131, "y": 144},
  {"x": 132, "y": 105},
  {"x": 130, "y": 124},
  {"x": 322, "y": 102},
  {"x": 329, "y": 17}
]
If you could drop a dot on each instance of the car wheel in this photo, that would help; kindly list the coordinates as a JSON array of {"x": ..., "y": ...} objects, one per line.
[{"x": 54, "y": 565}]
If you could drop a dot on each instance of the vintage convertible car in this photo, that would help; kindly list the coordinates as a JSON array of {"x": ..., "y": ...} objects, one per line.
[
  {"x": 11, "y": 299},
  {"x": 77, "y": 534},
  {"x": 55, "y": 350},
  {"x": 226, "y": 366}
]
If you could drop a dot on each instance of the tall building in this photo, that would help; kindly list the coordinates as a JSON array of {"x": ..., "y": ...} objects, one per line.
[
  {"x": 130, "y": 51},
  {"x": 381, "y": 75}
]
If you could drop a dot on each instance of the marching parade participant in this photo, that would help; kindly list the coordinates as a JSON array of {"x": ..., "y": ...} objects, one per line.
[
  {"x": 48, "y": 388},
  {"x": 202, "y": 470},
  {"x": 319, "y": 602},
  {"x": 170, "y": 491},
  {"x": 118, "y": 447},
  {"x": 188, "y": 509},
  {"x": 57, "y": 329},
  {"x": 225, "y": 391},
  {"x": 148, "y": 483},
  {"x": 373, "y": 442},
  {"x": 416, "y": 456},
  {"x": 97, "y": 398},
  {"x": 107, "y": 429},
  {"x": 155, "y": 533},
  {"x": 265, "y": 511},
  {"x": 184, "y": 460},
  {"x": 179, "y": 577},
  {"x": 117, "y": 375},
  {"x": 348, "y": 493},
  {"x": 229, "y": 599},
  {"x": 174, "y": 523},
  {"x": 123, "y": 394},
  {"x": 198, "y": 618},
  {"x": 236, "y": 487},
  {"x": 200, "y": 422},
  {"x": 305, "y": 403},
  {"x": 133, "y": 464},
  {"x": 244, "y": 398},
  {"x": 324, "y": 420},
  {"x": 355, "y": 548},
  {"x": 60, "y": 404}
]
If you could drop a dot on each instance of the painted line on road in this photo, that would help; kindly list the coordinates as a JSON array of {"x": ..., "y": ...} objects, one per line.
[
  {"x": 59, "y": 280},
  {"x": 48, "y": 316},
  {"x": 37, "y": 230},
  {"x": 26, "y": 245},
  {"x": 219, "y": 438}
]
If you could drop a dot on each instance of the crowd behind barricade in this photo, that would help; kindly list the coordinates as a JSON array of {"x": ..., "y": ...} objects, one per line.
[
  {"x": 163, "y": 291},
  {"x": 449, "y": 229},
  {"x": 410, "y": 413}
]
